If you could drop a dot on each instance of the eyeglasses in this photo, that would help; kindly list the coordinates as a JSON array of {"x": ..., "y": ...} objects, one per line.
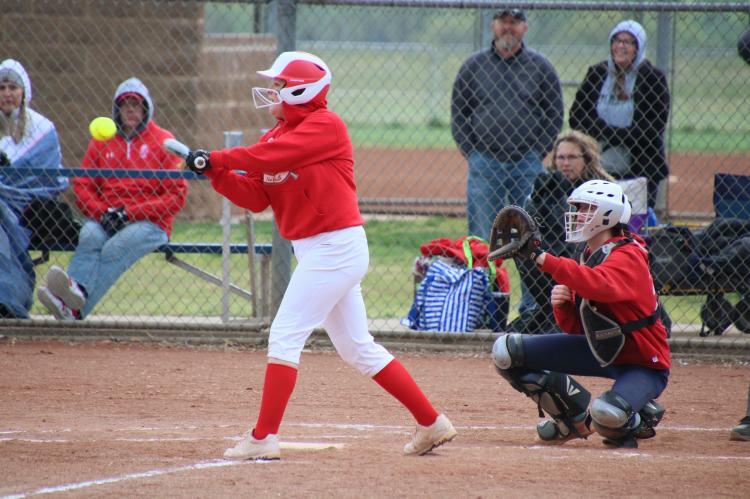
[
  {"x": 569, "y": 157},
  {"x": 622, "y": 41}
]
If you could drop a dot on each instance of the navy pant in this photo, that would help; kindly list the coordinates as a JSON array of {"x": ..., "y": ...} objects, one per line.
[{"x": 570, "y": 354}]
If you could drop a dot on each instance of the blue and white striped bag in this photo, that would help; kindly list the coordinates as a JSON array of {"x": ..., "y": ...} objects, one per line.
[{"x": 450, "y": 299}]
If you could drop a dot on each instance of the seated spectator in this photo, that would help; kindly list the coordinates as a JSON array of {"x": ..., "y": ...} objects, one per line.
[
  {"x": 575, "y": 160},
  {"x": 26, "y": 139},
  {"x": 127, "y": 218},
  {"x": 623, "y": 102}
]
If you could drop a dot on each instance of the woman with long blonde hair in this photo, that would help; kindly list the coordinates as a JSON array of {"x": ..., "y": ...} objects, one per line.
[{"x": 576, "y": 158}]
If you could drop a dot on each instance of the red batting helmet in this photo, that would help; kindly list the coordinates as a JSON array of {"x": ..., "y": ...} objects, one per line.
[{"x": 305, "y": 75}]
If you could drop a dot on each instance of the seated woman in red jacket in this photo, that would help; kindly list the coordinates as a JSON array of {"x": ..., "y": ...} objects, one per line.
[
  {"x": 127, "y": 218},
  {"x": 304, "y": 170},
  {"x": 607, "y": 307}
]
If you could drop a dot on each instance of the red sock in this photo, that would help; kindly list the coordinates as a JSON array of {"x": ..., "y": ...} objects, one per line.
[
  {"x": 397, "y": 381},
  {"x": 277, "y": 388}
]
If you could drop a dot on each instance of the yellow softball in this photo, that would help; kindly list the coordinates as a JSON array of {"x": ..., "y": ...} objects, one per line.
[{"x": 102, "y": 128}]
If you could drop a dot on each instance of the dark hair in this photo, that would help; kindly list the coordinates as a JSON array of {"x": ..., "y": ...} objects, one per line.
[{"x": 621, "y": 229}]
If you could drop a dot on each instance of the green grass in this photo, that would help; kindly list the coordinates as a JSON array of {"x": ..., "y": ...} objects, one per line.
[{"x": 155, "y": 288}]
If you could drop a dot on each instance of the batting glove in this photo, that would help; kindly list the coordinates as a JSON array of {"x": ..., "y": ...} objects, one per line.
[{"x": 197, "y": 161}]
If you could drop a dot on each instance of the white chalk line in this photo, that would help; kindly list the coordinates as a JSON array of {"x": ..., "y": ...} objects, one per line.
[
  {"x": 130, "y": 476},
  {"x": 160, "y": 472},
  {"x": 332, "y": 426},
  {"x": 604, "y": 453}
]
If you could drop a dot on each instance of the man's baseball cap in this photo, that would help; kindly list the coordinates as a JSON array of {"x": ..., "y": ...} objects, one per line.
[{"x": 514, "y": 13}]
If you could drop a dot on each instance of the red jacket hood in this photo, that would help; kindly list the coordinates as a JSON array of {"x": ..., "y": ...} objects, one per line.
[{"x": 295, "y": 113}]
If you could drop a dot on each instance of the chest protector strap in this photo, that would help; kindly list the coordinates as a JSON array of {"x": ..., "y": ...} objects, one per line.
[{"x": 605, "y": 336}]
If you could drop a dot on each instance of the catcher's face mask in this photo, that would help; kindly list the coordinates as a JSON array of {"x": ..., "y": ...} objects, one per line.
[{"x": 577, "y": 219}]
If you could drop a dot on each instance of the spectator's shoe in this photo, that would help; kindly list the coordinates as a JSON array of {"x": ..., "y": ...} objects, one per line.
[
  {"x": 65, "y": 288},
  {"x": 251, "y": 448},
  {"x": 427, "y": 438},
  {"x": 741, "y": 432},
  {"x": 56, "y": 306},
  {"x": 555, "y": 432}
]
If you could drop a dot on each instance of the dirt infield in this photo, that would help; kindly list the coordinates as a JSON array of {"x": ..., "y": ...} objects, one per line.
[
  {"x": 440, "y": 174},
  {"x": 110, "y": 419}
]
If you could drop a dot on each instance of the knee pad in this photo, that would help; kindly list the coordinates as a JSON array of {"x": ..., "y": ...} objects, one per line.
[
  {"x": 612, "y": 416},
  {"x": 507, "y": 352}
]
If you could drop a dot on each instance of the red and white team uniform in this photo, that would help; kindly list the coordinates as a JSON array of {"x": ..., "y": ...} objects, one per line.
[{"x": 304, "y": 170}]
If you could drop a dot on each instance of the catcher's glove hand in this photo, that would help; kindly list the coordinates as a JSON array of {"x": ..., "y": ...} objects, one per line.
[{"x": 514, "y": 234}]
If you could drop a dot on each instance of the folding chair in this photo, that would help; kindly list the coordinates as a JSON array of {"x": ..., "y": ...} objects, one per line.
[
  {"x": 636, "y": 189},
  {"x": 732, "y": 196}
]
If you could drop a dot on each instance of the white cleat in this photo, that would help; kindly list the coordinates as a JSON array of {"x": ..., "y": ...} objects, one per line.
[
  {"x": 65, "y": 288},
  {"x": 251, "y": 448},
  {"x": 427, "y": 438}
]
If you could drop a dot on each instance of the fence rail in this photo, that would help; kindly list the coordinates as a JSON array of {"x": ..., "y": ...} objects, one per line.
[{"x": 395, "y": 64}]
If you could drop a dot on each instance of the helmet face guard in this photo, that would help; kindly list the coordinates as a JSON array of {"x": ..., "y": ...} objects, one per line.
[
  {"x": 304, "y": 75},
  {"x": 265, "y": 97},
  {"x": 576, "y": 220},
  {"x": 595, "y": 206}
]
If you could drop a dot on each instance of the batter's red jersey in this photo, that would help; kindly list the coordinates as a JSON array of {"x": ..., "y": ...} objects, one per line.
[
  {"x": 303, "y": 168},
  {"x": 623, "y": 290}
]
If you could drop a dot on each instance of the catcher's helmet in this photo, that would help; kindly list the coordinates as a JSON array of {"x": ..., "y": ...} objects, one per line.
[
  {"x": 305, "y": 75},
  {"x": 611, "y": 206}
]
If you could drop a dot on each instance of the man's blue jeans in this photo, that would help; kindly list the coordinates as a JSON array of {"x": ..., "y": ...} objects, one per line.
[
  {"x": 99, "y": 261},
  {"x": 493, "y": 184}
]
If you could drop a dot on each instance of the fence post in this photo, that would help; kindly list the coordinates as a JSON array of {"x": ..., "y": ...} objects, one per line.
[
  {"x": 664, "y": 43},
  {"x": 281, "y": 256},
  {"x": 231, "y": 139}
]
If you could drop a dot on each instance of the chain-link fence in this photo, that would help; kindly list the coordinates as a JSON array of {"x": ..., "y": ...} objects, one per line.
[{"x": 445, "y": 128}]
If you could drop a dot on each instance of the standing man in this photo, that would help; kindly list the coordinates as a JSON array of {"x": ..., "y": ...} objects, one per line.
[{"x": 506, "y": 111}]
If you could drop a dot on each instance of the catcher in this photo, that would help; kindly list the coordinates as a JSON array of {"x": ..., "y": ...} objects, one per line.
[{"x": 606, "y": 306}]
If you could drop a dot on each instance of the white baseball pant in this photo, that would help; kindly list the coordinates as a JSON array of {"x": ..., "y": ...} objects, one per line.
[{"x": 325, "y": 290}]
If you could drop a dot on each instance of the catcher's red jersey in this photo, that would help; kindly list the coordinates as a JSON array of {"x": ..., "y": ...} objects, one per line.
[
  {"x": 303, "y": 168},
  {"x": 623, "y": 289}
]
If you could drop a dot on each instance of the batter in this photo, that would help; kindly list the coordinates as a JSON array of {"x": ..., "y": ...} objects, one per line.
[{"x": 303, "y": 169}]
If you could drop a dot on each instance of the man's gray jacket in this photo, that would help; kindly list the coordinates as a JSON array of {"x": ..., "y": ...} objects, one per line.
[{"x": 506, "y": 107}]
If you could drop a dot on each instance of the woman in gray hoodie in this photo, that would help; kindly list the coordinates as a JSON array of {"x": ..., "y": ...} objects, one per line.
[{"x": 623, "y": 102}]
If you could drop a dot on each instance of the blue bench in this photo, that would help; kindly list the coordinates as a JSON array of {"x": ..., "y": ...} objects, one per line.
[{"x": 172, "y": 249}]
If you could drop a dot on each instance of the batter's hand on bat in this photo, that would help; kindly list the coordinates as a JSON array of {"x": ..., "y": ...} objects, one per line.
[
  {"x": 561, "y": 295},
  {"x": 197, "y": 161}
]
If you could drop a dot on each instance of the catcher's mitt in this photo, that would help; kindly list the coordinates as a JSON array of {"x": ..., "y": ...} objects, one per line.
[{"x": 514, "y": 234}]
